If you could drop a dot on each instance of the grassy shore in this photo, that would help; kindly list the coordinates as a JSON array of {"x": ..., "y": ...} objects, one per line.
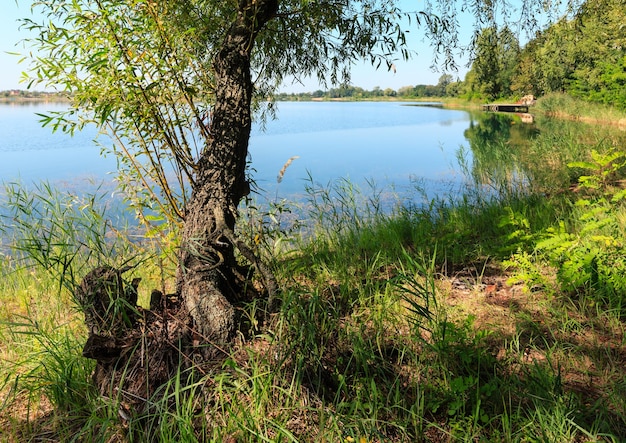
[
  {"x": 492, "y": 316},
  {"x": 564, "y": 106}
]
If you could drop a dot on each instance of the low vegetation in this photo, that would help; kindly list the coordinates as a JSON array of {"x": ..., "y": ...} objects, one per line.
[
  {"x": 565, "y": 106},
  {"x": 494, "y": 316}
]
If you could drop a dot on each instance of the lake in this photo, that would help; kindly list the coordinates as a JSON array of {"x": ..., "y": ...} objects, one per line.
[{"x": 390, "y": 143}]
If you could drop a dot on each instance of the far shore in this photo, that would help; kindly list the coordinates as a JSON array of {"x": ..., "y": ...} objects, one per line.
[
  {"x": 27, "y": 100},
  {"x": 592, "y": 113}
]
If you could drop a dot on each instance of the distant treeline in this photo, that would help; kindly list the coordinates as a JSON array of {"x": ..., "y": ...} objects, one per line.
[
  {"x": 17, "y": 94},
  {"x": 583, "y": 55},
  {"x": 445, "y": 88}
]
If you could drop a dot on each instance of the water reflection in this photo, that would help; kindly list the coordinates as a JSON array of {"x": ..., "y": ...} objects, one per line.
[
  {"x": 401, "y": 147},
  {"x": 496, "y": 140},
  {"x": 507, "y": 155},
  {"x": 32, "y": 103}
]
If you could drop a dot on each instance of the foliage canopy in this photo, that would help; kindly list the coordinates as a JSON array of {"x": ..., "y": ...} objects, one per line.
[{"x": 583, "y": 54}]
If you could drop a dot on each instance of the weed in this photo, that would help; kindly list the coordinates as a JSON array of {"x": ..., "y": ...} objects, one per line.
[{"x": 590, "y": 258}]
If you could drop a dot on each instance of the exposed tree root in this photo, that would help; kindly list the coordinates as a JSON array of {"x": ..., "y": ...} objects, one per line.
[{"x": 139, "y": 351}]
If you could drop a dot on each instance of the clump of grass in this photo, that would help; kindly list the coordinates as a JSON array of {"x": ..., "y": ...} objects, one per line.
[
  {"x": 49, "y": 370},
  {"x": 62, "y": 233},
  {"x": 564, "y": 105},
  {"x": 53, "y": 238}
]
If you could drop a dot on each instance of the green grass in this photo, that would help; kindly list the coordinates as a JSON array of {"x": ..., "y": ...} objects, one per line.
[
  {"x": 455, "y": 321},
  {"x": 563, "y": 105}
]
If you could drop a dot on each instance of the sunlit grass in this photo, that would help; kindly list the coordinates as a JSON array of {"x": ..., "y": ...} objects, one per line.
[
  {"x": 563, "y": 105},
  {"x": 441, "y": 322}
]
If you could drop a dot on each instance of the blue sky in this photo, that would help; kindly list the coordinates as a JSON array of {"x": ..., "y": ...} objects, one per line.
[
  {"x": 415, "y": 71},
  {"x": 9, "y": 36}
]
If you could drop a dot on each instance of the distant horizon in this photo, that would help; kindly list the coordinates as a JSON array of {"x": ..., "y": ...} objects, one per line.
[
  {"x": 295, "y": 88},
  {"x": 18, "y": 89}
]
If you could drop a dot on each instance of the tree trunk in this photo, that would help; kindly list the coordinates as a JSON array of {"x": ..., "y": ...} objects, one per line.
[
  {"x": 208, "y": 281},
  {"x": 141, "y": 350}
]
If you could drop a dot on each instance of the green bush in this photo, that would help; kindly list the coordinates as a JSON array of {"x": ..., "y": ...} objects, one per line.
[{"x": 591, "y": 255}]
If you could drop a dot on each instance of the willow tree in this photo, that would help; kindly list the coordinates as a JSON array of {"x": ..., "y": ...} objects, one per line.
[{"x": 174, "y": 83}]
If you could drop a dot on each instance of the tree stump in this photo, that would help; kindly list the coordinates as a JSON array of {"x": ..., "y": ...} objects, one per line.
[{"x": 136, "y": 350}]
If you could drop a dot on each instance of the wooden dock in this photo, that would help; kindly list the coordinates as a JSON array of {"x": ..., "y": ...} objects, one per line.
[{"x": 505, "y": 107}]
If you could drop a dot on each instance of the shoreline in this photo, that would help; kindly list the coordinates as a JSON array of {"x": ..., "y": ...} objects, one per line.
[
  {"x": 32, "y": 100},
  {"x": 25, "y": 97}
]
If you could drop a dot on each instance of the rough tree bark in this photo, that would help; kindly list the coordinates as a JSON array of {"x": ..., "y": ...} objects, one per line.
[{"x": 208, "y": 280}]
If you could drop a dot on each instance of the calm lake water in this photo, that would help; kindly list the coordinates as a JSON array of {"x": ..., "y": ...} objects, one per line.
[{"x": 389, "y": 143}]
